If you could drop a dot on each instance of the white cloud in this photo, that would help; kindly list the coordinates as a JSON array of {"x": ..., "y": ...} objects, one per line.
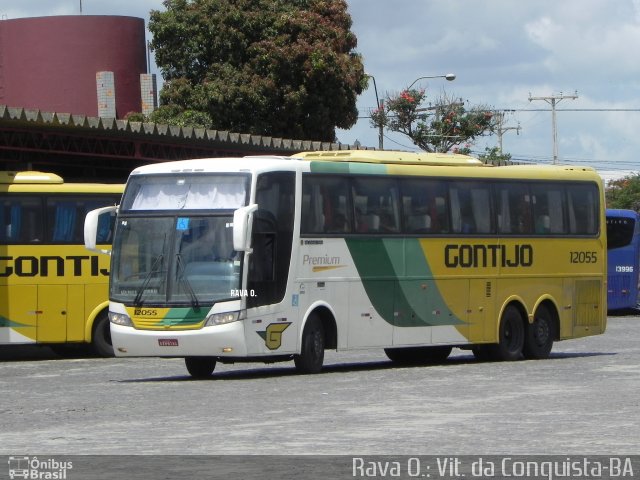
[{"x": 593, "y": 46}]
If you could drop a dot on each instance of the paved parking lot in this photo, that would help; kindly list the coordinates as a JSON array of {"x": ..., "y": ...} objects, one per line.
[{"x": 583, "y": 400}]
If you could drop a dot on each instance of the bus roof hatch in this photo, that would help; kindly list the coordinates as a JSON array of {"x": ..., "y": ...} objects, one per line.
[{"x": 29, "y": 177}]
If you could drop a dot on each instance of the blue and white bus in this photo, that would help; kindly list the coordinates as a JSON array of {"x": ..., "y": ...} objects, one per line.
[{"x": 623, "y": 246}]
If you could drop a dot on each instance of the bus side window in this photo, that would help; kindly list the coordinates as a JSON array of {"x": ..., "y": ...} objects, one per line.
[
  {"x": 471, "y": 207},
  {"x": 65, "y": 215},
  {"x": 582, "y": 205},
  {"x": 325, "y": 206},
  {"x": 23, "y": 222},
  {"x": 424, "y": 205},
  {"x": 10, "y": 220},
  {"x": 272, "y": 238},
  {"x": 377, "y": 205},
  {"x": 64, "y": 218},
  {"x": 264, "y": 244},
  {"x": 548, "y": 209},
  {"x": 513, "y": 205},
  {"x": 106, "y": 222}
]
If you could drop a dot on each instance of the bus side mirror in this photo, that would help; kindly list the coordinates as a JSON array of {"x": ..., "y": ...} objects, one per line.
[
  {"x": 93, "y": 227},
  {"x": 242, "y": 228}
]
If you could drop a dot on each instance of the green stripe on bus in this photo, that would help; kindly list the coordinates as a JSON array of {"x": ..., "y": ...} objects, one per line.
[
  {"x": 184, "y": 316},
  {"x": 5, "y": 322},
  {"x": 399, "y": 292},
  {"x": 346, "y": 167}
]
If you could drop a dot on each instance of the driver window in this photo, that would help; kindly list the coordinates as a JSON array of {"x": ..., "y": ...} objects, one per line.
[{"x": 272, "y": 234}]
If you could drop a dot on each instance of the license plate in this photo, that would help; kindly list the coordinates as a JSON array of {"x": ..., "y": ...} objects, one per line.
[{"x": 168, "y": 342}]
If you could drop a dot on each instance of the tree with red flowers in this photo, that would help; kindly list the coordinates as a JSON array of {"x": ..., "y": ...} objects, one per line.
[
  {"x": 437, "y": 128},
  {"x": 624, "y": 192}
]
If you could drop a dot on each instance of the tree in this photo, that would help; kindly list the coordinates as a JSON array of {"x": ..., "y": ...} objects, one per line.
[
  {"x": 624, "y": 193},
  {"x": 438, "y": 128},
  {"x": 494, "y": 156},
  {"x": 284, "y": 68}
]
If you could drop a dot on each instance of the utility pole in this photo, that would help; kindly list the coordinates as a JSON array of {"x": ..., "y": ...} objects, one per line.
[
  {"x": 380, "y": 107},
  {"x": 502, "y": 129},
  {"x": 553, "y": 100}
]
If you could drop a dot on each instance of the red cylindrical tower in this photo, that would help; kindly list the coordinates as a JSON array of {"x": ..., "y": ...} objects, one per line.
[{"x": 50, "y": 63}]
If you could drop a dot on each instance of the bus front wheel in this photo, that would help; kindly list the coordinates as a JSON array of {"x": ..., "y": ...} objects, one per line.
[
  {"x": 311, "y": 355},
  {"x": 200, "y": 367},
  {"x": 101, "y": 341},
  {"x": 538, "y": 340}
]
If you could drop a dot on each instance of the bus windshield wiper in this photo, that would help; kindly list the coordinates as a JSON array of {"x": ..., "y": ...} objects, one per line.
[
  {"x": 152, "y": 271},
  {"x": 181, "y": 277}
]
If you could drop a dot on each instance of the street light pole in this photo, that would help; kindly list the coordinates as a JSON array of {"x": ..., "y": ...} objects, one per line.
[
  {"x": 449, "y": 77},
  {"x": 380, "y": 106}
]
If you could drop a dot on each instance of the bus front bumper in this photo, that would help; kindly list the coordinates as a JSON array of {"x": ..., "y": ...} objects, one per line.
[{"x": 216, "y": 341}]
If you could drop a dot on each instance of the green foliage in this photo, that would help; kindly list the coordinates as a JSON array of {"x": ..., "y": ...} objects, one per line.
[
  {"x": 438, "y": 128},
  {"x": 493, "y": 156},
  {"x": 283, "y": 68},
  {"x": 135, "y": 117},
  {"x": 624, "y": 193},
  {"x": 173, "y": 115}
]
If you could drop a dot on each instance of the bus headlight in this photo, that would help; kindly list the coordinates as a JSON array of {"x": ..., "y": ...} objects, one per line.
[
  {"x": 120, "y": 319},
  {"x": 222, "y": 318}
]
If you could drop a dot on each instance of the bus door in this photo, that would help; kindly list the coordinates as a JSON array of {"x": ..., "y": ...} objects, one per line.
[
  {"x": 481, "y": 309},
  {"x": 268, "y": 269}
]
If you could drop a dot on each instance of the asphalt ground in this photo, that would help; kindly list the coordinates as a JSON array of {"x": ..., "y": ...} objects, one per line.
[{"x": 583, "y": 400}]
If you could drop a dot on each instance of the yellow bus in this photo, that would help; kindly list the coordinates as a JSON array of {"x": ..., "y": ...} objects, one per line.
[
  {"x": 52, "y": 291},
  {"x": 272, "y": 258}
]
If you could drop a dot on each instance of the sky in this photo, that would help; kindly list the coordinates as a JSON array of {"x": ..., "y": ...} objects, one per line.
[{"x": 502, "y": 52}]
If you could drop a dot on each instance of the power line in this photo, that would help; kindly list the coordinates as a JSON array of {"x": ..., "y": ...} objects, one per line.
[
  {"x": 513, "y": 110},
  {"x": 566, "y": 109}
]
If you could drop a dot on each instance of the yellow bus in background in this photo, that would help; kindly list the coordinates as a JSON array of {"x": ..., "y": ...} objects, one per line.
[{"x": 52, "y": 290}]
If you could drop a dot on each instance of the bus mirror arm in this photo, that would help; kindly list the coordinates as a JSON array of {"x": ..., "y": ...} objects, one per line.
[
  {"x": 242, "y": 228},
  {"x": 91, "y": 228}
]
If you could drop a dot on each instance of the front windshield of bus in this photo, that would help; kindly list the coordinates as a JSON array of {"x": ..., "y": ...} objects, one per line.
[
  {"x": 185, "y": 260},
  {"x": 174, "y": 240}
]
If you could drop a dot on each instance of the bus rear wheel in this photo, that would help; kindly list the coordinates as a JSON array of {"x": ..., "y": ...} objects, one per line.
[
  {"x": 101, "y": 341},
  {"x": 538, "y": 340},
  {"x": 511, "y": 336},
  {"x": 200, "y": 367},
  {"x": 311, "y": 354}
]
